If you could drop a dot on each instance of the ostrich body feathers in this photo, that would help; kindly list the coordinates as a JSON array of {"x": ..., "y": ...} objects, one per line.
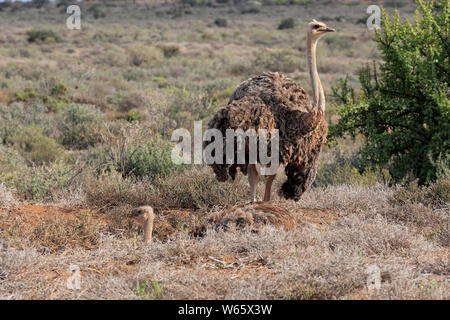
[{"x": 273, "y": 101}]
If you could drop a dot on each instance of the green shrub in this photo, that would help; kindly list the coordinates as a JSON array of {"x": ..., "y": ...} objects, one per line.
[
  {"x": 221, "y": 22},
  {"x": 341, "y": 43},
  {"x": 288, "y": 23},
  {"x": 44, "y": 182},
  {"x": 59, "y": 89},
  {"x": 283, "y": 60},
  {"x": 17, "y": 115},
  {"x": 133, "y": 115},
  {"x": 80, "y": 126},
  {"x": 37, "y": 35},
  {"x": 133, "y": 100},
  {"x": 349, "y": 170},
  {"x": 40, "y": 3},
  {"x": 26, "y": 95},
  {"x": 141, "y": 54},
  {"x": 170, "y": 49},
  {"x": 404, "y": 108},
  {"x": 96, "y": 11},
  {"x": 35, "y": 146},
  {"x": 152, "y": 159},
  {"x": 436, "y": 194},
  {"x": 11, "y": 164}
]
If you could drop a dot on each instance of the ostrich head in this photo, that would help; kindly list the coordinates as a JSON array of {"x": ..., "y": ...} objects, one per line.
[
  {"x": 144, "y": 215},
  {"x": 317, "y": 29}
]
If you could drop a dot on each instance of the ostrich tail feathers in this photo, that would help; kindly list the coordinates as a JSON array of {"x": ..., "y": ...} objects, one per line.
[{"x": 298, "y": 181}]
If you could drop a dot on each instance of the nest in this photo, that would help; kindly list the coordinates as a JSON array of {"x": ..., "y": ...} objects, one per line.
[{"x": 255, "y": 216}]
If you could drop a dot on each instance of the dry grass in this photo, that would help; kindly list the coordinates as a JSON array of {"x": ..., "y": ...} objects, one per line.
[
  {"x": 6, "y": 197},
  {"x": 312, "y": 261}
]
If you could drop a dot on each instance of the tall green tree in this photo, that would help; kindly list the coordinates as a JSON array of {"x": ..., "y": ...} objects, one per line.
[{"x": 403, "y": 109}]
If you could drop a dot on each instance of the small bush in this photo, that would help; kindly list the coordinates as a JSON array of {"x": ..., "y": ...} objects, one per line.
[
  {"x": 221, "y": 22},
  {"x": 436, "y": 194},
  {"x": 6, "y": 197},
  {"x": 111, "y": 189},
  {"x": 283, "y": 60},
  {"x": 152, "y": 159},
  {"x": 42, "y": 36},
  {"x": 35, "y": 146},
  {"x": 170, "y": 50},
  {"x": 288, "y": 23},
  {"x": 44, "y": 182},
  {"x": 251, "y": 7},
  {"x": 198, "y": 188},
  {"x": 140, "y": 54},
  {"x": 27, "y": 94},
  {"x": 59, "y": 89},
  {"x": 349, "y": 170},
  {"x": 133, "y": 115},
  {"x": 80, "y": 126},
  {"x": 11, "y": 164},
  {"x": 133, "y": 100},
  {"x": 96, "y": 11}
]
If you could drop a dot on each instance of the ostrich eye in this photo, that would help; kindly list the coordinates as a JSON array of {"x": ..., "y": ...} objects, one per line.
[{"x": 316, "y": 26}]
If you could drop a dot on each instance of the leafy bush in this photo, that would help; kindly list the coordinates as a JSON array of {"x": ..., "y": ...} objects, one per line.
[
  {"x": 35, "y": 146},
  {"x": 11, "y": 164},
  {"x": 341, "y": 43},
  {"x": 283, "y": 60},
  {"x": 26, "y": 95},
  {"x": 133, "y": 100},
  {"x": 37, "y": 35},
  {"x": 152, "y": 159},
  {"x": 170, "y": 49},
  {"x": 44, "y": 182},
  {"x": 436, "y": 194},
  {"x": 129, "y": 149},
  {"x": 133, "y": 115},
  {"x": 80, "y": 126},
  {"x": 221, "y": 22},
  {"x": 349, "y": 170},
  {"x": 59, "y": 89},
  {"x": 287, "y": 23},
  {"x": 404, "y": 108},
  {"x": 40, "y": 3},
  {"x": 96, "y": 11},
  {"x": 140, "y": 54},
  {"x": 17, "y": 115}
]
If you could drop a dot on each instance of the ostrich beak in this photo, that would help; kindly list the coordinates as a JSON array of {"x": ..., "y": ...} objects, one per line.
[{"x": 329, "y": 30}]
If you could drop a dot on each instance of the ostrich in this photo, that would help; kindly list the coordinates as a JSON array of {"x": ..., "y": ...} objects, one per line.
[
  {"x": 144, "y": 215},
  {"x": 273, "y": 101}
]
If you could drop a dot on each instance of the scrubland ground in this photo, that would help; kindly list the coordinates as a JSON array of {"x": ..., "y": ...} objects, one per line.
[{"x": 85, "y": 122}]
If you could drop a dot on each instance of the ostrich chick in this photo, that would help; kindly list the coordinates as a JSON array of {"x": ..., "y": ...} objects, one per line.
[{"x": 144, "y": 215}]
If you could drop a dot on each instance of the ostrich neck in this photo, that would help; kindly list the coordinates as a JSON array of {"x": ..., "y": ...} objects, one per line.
[
  {"x": 318, "y": 93},
  {"x": 148, "y": 229}
]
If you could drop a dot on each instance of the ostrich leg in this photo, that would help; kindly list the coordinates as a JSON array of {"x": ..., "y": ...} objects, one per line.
[
  {"x": 268, "y": 187},
  {"x": 253, "y": 178}
]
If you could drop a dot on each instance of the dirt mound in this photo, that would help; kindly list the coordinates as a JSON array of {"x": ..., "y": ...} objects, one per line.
[{"x": 255, "y": 215}]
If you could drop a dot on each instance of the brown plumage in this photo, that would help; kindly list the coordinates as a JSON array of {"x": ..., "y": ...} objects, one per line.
[{"x": 273, "y": 101}]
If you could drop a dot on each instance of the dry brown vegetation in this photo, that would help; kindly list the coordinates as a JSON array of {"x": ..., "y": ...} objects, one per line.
[{"x": 100, "y": 105}]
